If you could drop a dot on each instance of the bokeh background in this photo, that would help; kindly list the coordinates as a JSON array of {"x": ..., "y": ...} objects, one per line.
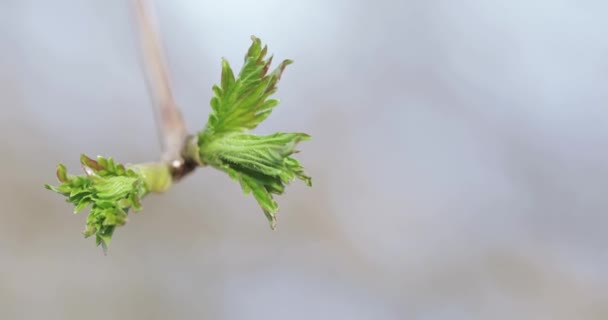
[{"x": 460, "y": 162}]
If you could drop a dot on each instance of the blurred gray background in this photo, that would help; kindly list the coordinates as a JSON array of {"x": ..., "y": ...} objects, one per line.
[{"x": 460, "y": 162}]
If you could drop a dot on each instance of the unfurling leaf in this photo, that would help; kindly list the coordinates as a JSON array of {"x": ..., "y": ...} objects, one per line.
[
  {"x": 262, "y": 164},
  {"x": 241, "y": 104},
  {"x": 108, "y": 188}
]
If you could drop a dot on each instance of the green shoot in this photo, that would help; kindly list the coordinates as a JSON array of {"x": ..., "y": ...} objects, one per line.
[
  {"x": 111, "y": 190},
  {"x": 262, "y": 164}
]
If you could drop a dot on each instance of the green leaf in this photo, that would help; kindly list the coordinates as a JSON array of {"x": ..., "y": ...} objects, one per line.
[
  {"x": 242, "y": 103},
  {"x": 261, "y": 164},
  {"x": 110, "y": 190}
]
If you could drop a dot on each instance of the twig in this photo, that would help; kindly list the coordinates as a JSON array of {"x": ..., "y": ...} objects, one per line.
[
  {"x": 172, "y": 127},
  {"x": 262, "y": 164}
]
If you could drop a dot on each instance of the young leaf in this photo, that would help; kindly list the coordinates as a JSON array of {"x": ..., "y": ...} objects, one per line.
[
  {"x": 262, "y": 164},
  {"x": 242, "y": 103},
  {"x": 108, "y": 188}
]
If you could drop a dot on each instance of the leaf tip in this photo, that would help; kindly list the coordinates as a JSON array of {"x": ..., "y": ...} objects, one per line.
[
  {"x": 90, "y": 163},
  {"x": 308, "y": 181},
  {"x": 62, "y": 174}
]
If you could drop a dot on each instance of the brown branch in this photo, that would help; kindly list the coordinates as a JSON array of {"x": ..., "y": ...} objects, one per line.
[{"x": 172, "y": 127}]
